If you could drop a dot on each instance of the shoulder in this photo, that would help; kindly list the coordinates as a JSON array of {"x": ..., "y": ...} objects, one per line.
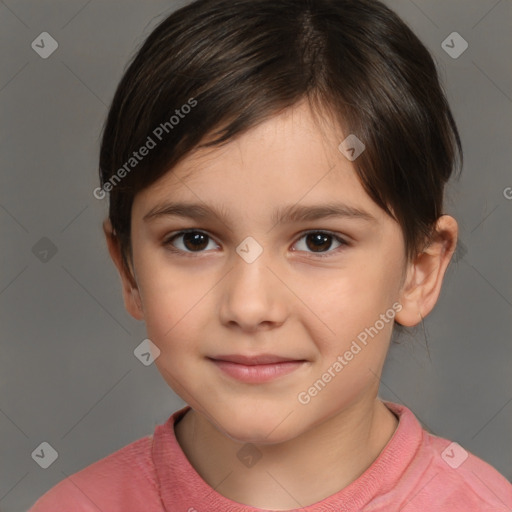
[
  {"x": 459, "y": 480},
  {"x": 121, "y": 481},
  {"x": 442, "y": 475}
]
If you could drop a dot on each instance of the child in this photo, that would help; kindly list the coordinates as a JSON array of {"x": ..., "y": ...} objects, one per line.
[{"x": 275, "y": 170}]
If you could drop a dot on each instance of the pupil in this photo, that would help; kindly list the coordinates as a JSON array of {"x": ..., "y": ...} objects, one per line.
[{"x": 322, "y": 239}]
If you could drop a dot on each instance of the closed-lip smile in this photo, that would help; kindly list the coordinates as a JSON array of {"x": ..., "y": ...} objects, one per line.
[{"x": 257, "y": 368}]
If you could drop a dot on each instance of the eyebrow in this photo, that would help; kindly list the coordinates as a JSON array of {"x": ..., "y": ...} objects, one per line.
[{"x": 282, "y": 215}]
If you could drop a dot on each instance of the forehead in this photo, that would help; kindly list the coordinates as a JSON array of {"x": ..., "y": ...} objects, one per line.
[{"x": 290, "y": 158}]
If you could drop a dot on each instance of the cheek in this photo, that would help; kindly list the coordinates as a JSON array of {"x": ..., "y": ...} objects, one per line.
[
  {"x": 350, "y": 308},
  {"x": 357, "y": 293},
  {"x": 172, "y": 302},
  {"x": 173, "y": 321}
]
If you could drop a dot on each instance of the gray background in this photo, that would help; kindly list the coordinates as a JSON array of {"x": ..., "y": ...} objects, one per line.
[{"x": 68, "y": 374}]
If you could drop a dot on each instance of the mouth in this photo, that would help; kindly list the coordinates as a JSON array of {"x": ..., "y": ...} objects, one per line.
[{"x": 256, "y": 369}]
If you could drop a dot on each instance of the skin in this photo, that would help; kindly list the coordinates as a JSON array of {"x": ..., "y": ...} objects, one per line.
[{"x": 289, "y": 301}]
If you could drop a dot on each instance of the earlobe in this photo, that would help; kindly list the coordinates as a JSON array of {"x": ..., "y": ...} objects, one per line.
[
  {"x": 425, "y": 274},
  {"x": 131, "y": 295}
]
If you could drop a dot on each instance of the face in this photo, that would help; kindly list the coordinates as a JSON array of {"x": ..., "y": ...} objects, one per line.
[{"x": 263, "y": 271}]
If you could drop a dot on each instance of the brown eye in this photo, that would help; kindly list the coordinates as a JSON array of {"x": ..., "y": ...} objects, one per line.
[
  {"x": 320, "y": 242},
  {"x": 192, "y": 241}
]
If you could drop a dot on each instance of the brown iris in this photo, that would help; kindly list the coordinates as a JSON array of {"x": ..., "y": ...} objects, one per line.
[
  {"x": 320, "y": 241},
  {"x": 198, "y": 241}
]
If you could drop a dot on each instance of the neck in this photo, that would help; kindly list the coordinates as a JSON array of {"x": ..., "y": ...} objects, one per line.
[{"x": 295, "y": 473}]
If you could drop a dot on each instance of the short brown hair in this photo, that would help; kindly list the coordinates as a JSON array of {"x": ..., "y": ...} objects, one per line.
[{"x": 244, "y": 61}]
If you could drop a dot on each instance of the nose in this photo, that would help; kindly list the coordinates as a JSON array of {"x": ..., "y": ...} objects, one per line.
[{"x": 252, "y": 296}]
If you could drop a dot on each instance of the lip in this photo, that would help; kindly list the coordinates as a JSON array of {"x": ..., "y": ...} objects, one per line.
[
  {"x": 254, "y": 360},
  {"x": 256, "y": 369}
]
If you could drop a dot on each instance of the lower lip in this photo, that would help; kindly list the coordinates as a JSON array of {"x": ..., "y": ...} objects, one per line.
[{"x": 257, "y": 373}]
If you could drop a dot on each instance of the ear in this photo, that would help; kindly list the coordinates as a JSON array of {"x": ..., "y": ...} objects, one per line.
[
  {"x": 425, "y": 274},
  {"x": 131, "y": 295}
]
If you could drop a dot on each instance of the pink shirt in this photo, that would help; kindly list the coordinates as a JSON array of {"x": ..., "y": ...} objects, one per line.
[{"x": 415, "y": 472}]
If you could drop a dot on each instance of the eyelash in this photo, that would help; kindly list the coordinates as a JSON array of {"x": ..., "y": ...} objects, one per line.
[{"x": 191, "y": 254}]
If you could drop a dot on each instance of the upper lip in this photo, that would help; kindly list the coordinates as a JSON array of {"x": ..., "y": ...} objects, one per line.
[{"x": 254, "y": 360}]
